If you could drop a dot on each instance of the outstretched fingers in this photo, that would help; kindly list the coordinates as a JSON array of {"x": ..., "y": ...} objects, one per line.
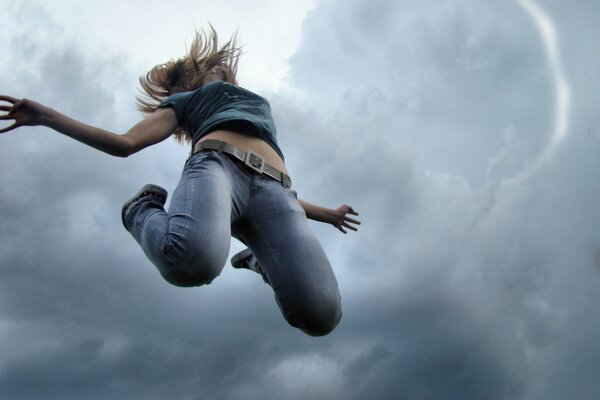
[
  {"x": 9, "y": 128},
  {"x": 344, "y": 221},
  {"x": 10, "y": 110},
  {"x": 9, "y": 99},
  {"x": 348, "y": 226},
  {"x": 6, "y": 116},
  {"x": 347, "y": 219},
  {"x": 352, "y": 220},
  {"x": 349, "y": 210}
]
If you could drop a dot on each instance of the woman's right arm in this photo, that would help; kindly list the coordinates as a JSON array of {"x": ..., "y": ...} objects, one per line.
[{"x": 153, "y": 129}]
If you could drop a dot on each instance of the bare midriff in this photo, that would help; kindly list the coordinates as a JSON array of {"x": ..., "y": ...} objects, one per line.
[{"x": 249, "y": 143}]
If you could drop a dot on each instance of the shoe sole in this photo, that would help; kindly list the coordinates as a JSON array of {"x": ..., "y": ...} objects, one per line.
[
  {"x": 240, "y": 259},
  {"x": 145, "y": 190}
]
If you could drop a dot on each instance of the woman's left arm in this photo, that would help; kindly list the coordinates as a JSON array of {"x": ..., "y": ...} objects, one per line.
[{"x": 338, "y": 217}]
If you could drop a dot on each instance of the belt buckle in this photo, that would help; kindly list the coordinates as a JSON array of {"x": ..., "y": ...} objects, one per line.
[{"x": 254, "y": 161}]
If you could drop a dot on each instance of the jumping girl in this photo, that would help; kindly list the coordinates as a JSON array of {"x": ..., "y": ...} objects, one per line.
[{"x": 234, "y": 183}]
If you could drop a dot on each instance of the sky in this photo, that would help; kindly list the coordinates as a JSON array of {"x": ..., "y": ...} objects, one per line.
[{"x": 465, "y": 133}]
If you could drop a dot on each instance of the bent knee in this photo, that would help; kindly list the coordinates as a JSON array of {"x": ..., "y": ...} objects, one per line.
[
  {"x": 185, "y": 279},
  {"x": 319, "y": 321},
  {"x": 187, "y": 272},
  {"x": 192, "y": 265}
]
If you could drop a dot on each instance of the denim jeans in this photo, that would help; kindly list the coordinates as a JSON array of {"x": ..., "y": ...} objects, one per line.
[{"x": 217, "y": 198}]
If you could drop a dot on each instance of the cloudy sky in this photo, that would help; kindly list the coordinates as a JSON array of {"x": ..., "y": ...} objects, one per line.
[{"x": 465, "y": 133}]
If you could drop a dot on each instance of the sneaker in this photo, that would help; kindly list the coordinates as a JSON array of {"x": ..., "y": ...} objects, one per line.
[
  {"x": 246, "y": 259},
  {"x": 147, "y": 190}
]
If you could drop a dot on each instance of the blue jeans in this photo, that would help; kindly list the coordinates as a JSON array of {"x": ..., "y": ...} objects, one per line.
[{"x": 217, "y": 198}]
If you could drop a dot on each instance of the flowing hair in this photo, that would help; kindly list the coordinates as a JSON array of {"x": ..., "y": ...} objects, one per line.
[{"x": 187, "y": 73}]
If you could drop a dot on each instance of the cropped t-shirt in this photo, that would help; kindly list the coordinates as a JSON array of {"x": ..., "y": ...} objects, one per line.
[{"x": 221, "y": 104}]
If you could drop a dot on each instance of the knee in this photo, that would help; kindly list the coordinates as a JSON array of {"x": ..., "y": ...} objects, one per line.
[
  {"x": 320, "y": 320},
  {"x": 193, "y": 268},
  {"x": 189, "y": 277}
]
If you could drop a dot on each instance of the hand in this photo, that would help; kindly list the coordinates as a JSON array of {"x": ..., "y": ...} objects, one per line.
[
  {"x": 25, "y": 112},
  {"x": 341, "y": 220}
]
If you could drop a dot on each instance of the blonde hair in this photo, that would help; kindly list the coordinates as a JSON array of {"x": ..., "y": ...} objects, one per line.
[{"x": 204, "y": 58}]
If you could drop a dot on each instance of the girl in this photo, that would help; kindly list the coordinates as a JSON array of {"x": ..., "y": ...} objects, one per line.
[{"x": 235, "y": 183}]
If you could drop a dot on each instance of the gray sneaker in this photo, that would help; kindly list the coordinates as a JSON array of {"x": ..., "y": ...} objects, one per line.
[
  {"x": 245, "y": 259},
  {"x": 146, "y": 190}
]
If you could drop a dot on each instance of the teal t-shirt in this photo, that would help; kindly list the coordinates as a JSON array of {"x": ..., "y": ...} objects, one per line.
[{"x": 218, "y": 104}]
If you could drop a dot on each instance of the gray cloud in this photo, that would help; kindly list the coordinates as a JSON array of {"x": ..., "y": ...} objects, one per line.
[
  {"x": 460, "y": 283},
  {"x": 446, "y": 104}
]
